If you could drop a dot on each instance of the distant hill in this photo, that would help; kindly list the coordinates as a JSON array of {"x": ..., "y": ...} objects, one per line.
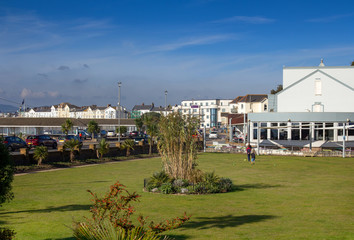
[{"x": 7, "y": 108}]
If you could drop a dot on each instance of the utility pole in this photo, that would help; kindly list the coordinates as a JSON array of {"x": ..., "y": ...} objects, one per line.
[
  {"x": 230, "y": 130},
  {"x": 166, "y": 102},
  {"x": 119, "y": 85}
]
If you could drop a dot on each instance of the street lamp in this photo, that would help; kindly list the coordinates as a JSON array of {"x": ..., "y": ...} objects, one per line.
[
  {"x": 119, "y": 85},
  {"x": 166, "y": 102}
]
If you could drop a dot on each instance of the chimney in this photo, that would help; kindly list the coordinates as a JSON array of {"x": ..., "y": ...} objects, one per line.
[{"x": 143, "y": 104}]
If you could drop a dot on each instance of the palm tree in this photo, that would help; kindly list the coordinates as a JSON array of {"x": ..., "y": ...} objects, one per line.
[
  {"x": 72, "y": 145},
  {"x": 93, "y": 128},
  {"x": 151, "y": 123},
  {"x": 67, "y": 126},
  {"x": 139, "y": 123},
  {"x": 40, "y": 153},
  {"x": 103, "y": 148},
  {"x": 129, "y": 145}
]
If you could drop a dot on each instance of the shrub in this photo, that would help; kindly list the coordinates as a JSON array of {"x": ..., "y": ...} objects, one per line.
[
  {"x": 115, "y": 207},
  {"x": 178, "y": 183},
  {"x": 6, "y": 175},
  {"x": 167, "y": 188},
  {"x": 6, "y": 234},
  {"x": 225, "y": 184},
  {"x": 157, "y": 179},
  {"x": 210, "y": 178}
]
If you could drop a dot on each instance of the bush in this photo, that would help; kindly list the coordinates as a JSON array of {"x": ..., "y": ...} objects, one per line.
[
  {"x": 6, "y": 234},
  {"x": 6, "y": 175},
  {"x": 157, "y": 179},
  {"x": 114, "y": 211},
  {"x": 225, "y": 184},
  {"x": 167, "y": 188},
  {"x": 178, "y": 183}
]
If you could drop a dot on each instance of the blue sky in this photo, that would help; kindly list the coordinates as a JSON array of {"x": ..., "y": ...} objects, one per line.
[{"x": 76, "y": 51}]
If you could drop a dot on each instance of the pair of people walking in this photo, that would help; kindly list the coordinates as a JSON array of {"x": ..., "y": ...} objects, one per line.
[{"x": 251, "y": 154}]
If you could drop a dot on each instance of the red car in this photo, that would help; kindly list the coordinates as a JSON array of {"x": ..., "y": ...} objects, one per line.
[{"x": 41, "y": 140}]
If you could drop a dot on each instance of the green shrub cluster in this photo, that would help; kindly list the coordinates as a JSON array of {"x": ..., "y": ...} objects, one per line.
[{"x": 208, "y": 183}]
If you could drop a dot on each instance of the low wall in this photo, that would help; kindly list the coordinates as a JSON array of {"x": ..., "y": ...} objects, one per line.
[{"x": 64, "y": 156}]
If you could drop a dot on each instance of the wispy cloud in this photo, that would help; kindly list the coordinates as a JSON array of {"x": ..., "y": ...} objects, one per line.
[
  {"x": 80, "y": 81},
  {"x": 245, "y": 19},
  {"x": 63, "y": 68},
  {"x": 190, "y": 42},
  {"x": 329, "y": 18},
  {"x": 28, "y": 93},
  {"x": 85, "y": 24}
]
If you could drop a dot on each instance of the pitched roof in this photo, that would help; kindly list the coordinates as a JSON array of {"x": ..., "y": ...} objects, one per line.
[
  {"x": 142, "y": 107},
  {"x": 253, "y": 98},
  {"x": 236, "y": 100}
]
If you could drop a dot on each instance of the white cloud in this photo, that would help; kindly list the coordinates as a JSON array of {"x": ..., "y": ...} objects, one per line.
[
  {"x": 329, "y": 18},
  {"x": 190, "y": 42},
  {"x": 245, "y": 19}
]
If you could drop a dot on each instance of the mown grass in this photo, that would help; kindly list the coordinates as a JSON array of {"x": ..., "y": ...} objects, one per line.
[{"x": 277, "y": 198}]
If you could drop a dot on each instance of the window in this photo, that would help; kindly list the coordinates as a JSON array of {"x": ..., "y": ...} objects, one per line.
[
  {"x": 202, "y": 111},
  {"x": 265, "y": 107},
  {"x": 221, "y": 103},
  {"x": 194, "y": 110},
  {"x": 206, "y": 104},
  {"x": 207, "y": 109},
  {"x": 223, "y": 110},
  {"x": 318, "y": 87},
  {"x": 241, "y": 106},
  {"x": 201, "y": 104},
  {"x": 207, "y": 116},
  {"x": 185, "y": 104},
  {"x": 190, "y": 104}
]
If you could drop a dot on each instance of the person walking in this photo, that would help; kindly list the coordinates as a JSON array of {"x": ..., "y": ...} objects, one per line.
[
  {"x": 249, "y": 150},
  {"x": 253, "y": 156}
]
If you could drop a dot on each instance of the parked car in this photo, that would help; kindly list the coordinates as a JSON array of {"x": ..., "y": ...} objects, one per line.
[
  {"x": 213, "y": 134},
  {"x": 84, "y": 134},
  {"x": 12, "y": 143},
  {"x": 41, "y": 140},
  {"x": 111, "y": 133},
  {"x": 63, "y": 139},
  {"x": 140, "y": 139},
  {"x": 133, "y": 134}
]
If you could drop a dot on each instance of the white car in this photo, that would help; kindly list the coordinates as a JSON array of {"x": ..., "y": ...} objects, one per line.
[
  {"x": 111, "y": 134},
  {"x": 213, "y": 135}
]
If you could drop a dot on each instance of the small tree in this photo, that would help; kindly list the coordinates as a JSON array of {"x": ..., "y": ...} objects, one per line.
[
  {"x": 128, "y": 144},
  {"x": 279, "y": 88},
  {"x": 93, "y": 128},
  {"x": 67, "y": 126},
  {"x": 177, "y": 146},
  {"x": 103, "y": 148},
  {"x": 73, "y": 145},
  {"x": 122, "y": 129},
  {"x": 40, "y": 153},
  {"x": 151, "y": 121},
  {"x": 139, "y": 123},
  {"x": 6, "y": 175},
  {"x": 116, "y": 209},
  {"x": 352, "y": 63}
]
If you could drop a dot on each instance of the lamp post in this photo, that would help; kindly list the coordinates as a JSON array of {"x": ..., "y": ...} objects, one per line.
[
  {"x": 166, "y": 102},
  {"x": 119, "y": 85},
  {"x": 230, "y": 130}
]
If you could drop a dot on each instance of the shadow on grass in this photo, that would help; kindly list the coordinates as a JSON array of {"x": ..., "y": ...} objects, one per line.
[
  {"x": 175, "y": 237},
  {"x": 254, "y": 186},
  {"x": 226, "y": 221},
  {"x": 74, "y": 207}
]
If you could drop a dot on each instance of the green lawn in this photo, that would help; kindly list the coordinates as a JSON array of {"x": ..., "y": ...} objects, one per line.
[{"x": 277, "y": 198}]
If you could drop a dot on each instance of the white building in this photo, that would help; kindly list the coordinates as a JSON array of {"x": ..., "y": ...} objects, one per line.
[
  {"x": 67, "y": 110},
  {"x": 314, "y": 105},
  {"x": 208, "y": 111}
]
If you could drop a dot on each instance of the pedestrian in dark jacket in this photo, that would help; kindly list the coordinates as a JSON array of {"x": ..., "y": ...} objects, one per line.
[{"x": 249, "y": 150}]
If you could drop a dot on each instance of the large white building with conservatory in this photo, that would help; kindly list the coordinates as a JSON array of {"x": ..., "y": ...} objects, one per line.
[{"x": 315, "y": 105}]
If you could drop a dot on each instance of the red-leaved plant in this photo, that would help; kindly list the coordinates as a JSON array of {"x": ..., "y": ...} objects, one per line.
[{"x": 116, "y": 207}]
